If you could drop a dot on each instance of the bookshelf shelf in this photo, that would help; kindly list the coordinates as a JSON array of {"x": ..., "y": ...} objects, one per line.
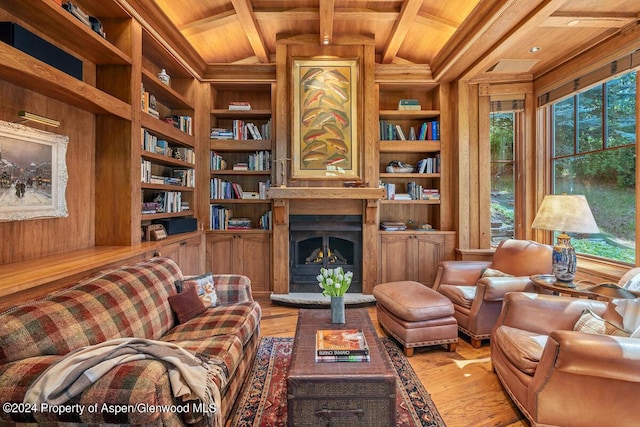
[
  {"x": 237, "y": 145},
  {"x": 241, "y": 114},
  {"x": 165, "y": 187},
  {"x": 237, "y": 172},
  {"x": 166, "y": 160},
  {"x": 63, "y": 27},
  {"x": 151, "y": 217},
  {"x": 241, "y": 201},
  {"x": 408, "y": 114}
]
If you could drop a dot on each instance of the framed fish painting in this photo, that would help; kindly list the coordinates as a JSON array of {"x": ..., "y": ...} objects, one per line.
[{"x": 325, "y": 99}]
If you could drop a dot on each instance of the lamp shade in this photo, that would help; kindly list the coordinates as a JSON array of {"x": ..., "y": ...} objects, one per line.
[{"x": 566, "y": 213}]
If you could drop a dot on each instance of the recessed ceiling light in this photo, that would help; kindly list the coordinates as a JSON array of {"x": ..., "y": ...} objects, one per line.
[
  {"x": 573, "y": 23},
  {"x": 325, "y": 40},
  {"x": 534, "y": 49}
]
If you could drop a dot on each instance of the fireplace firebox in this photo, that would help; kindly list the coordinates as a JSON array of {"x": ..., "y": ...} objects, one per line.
[{"x": 328, "y": 241}]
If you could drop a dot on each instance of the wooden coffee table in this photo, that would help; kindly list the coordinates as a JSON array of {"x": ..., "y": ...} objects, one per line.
[{"x": 339, "y": 393}]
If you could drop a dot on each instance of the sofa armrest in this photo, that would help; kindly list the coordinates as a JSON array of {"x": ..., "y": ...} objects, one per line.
[
  {"x": 543, "y": 314},
  {"x": 232, "y": 288},
  {"x": 616, "y": 358},
  {"x": 465, "y": 273}
]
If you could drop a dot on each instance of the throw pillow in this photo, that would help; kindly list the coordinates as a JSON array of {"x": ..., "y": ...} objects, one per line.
[
  {"x": 186, "y": 305},
  {"x": 203, "y": 285},
  {"x": 591, "y": 323},
  {"x": 491, "y": 272}
]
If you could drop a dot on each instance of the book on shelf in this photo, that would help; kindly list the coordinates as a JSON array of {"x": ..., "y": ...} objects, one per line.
[
  {"x": 238, "y": 224},
  {"x": 240, "y": 166},
  {"x": 250, "y": 195},
  {"x": 266, "y": 221},
  {"x": 400, "y": 133},
  {"x": 332, "y": 344},
  {"x": 409, "y": 104},
  {"x": 237, "y": 190},
  {"x": 393, "y": 226},
  {"x": 239, "y": 105}
]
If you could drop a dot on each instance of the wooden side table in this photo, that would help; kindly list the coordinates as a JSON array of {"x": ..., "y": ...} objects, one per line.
[{"x": 548, "y": 282}]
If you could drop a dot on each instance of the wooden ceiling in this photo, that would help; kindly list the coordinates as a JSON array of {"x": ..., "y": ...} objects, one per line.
[{"x": 477, "y": 39}]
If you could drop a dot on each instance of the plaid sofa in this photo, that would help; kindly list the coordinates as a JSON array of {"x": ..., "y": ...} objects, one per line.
[{"x": 130, "y": 301}]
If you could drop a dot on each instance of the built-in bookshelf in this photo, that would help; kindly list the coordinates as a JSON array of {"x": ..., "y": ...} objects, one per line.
[
  {"x": 167, "y": 143},
  {"x": 410, "y": 161},
  {"x": 240, "y": 157}
]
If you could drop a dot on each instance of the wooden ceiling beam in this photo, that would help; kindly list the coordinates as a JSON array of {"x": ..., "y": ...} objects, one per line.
[
  {"x": 340, "y": 14},
  {"x": 209, "y": 23},
  {"x": 436, "y": 23},
  {"x": 408, "y": 14},
  {"x": 249, "y": 24},
  {"x": 326, "y": 21}
]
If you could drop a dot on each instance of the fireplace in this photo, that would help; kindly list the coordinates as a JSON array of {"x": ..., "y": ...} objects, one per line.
[{"x": 328, "y": 241}]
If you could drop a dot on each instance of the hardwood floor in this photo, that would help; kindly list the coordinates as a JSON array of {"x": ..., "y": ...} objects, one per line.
[{"x": 462, "y": 384}]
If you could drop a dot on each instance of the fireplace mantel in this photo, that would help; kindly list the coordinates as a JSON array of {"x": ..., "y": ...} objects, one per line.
[{"x": 325, "y": 193}]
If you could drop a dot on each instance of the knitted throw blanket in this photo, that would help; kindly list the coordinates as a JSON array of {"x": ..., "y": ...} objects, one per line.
[{"x": 190, "y": 377}]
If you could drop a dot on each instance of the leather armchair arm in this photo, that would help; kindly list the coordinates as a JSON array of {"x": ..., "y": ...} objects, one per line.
[
  {"x": 544, "y": 313},
  {"x": 616, "y": 358},
  {"x": 465, "y": 273},
  {"x": 495, "y": 288}
]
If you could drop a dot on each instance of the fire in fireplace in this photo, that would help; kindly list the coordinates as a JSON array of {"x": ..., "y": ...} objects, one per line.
[{"x": 328, "y": 241}]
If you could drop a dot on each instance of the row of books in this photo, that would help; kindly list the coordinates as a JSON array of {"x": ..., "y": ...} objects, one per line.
[
  {"x": 165, "y": 202},
  {"x": 180, "y": 177},
  {"x": 241, "y": 131},
  {"x": 428, "y": 165},
  {"x": 221, "y": 218},
  {"x": 222, "y": 189},
  {"x": 341, "y": 345},
  {"x": 183, "y": 123},
  {"x": 414, "y": 192},
  {"x": 258, "y": 161},
  {"x": 428, "y": 131},
  {"x": 239, "y": 105},
  {"x": 153, "y": 144}
]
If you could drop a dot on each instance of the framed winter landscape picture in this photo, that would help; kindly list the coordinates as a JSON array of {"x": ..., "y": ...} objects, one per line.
[{"x": 33, "y": 173}]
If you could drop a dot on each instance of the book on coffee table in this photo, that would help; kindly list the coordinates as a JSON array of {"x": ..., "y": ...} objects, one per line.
[{"x": 345, "y": 345}]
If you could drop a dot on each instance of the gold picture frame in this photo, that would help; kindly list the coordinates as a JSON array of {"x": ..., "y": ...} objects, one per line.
[{"x": 325, "y": 119}]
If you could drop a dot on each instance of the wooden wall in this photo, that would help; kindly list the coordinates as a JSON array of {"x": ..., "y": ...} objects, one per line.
[{"x": 32, "y": 239}]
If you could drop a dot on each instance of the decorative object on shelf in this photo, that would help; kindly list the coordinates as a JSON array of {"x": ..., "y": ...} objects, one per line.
[
  {"x": 164, "y": 77},
  {"x": 325, "y": 144},
  {"x": 39, "y": 175},
  {"x": 566, "y": 213},
  {"x": 334, "y": 283},
  {"x": 396, "y": 166}
]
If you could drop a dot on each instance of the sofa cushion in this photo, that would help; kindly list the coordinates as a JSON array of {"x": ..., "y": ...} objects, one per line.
[
  {"x": 226, "y": 350},
  {"x": 204, "y": 286},
  {"x": 459, "y": 295},
  {"x": 591, "y": 323},
  {"x": 522, "y": 348},
  {"x": 187, "y": 305},
  {"x": 127, "y": 302},
  {"x": 241, "y": 320}
]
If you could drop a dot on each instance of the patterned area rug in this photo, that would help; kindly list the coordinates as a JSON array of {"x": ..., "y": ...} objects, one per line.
[{"x": 263, "y": 400}]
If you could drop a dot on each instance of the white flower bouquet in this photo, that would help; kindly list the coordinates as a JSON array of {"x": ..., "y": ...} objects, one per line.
[{"x": 334, "y": 281}]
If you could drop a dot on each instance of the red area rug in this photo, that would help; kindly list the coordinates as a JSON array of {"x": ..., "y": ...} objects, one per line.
[{"x": 263, "y": 399}]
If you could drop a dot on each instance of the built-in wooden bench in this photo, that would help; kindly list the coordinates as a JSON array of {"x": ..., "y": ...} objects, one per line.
[{"x": 37, "y": 278}]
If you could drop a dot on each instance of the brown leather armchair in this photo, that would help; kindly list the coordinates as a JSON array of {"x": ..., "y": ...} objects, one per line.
[
  {"x": 561, "y": 377},
  {"x": 477, "y": 300}
]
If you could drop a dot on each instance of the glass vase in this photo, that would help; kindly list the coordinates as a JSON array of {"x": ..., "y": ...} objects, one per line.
[{"x": 337, "y": 309}]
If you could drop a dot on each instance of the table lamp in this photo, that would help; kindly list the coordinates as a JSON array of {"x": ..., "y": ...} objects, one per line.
[{"x": 566, "y": 213}]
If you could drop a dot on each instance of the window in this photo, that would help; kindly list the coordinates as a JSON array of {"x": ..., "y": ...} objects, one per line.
[
  {"x": 502, "y": 137},
  {"x": 593, "y": 153}
]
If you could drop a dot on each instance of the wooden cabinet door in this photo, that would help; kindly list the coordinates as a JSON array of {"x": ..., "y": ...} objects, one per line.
[
  {"x": 396, "y": 258},
  {"x": 430, "y": 251},
  {"x": 255, "y": 258},
  {"x": 187, "y": 254},
  {"x": 221, "y": 258}
]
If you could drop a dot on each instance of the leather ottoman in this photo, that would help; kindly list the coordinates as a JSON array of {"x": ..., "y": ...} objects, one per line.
[{"x": 416, "y": 315}]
